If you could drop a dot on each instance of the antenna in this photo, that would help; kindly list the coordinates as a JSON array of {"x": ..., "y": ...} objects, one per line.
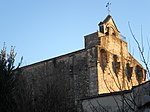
[{"x": 108, "y": 7}]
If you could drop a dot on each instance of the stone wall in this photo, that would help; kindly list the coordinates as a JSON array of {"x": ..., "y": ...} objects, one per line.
[
  {"x": 67, "y": 78},
  {"x": 116, "y": 67},
  {"x": 120, "y": 67},
  {"x": 135, "y": 100}
]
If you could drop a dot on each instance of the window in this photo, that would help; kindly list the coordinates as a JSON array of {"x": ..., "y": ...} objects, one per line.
[
  {"x": 101, "y": 28},
  {"x": 107, "y": 31},
  {"x": 116, "y": 65},
  {"x": 103, "y": 59},
  {"x": 139, "y": 74},
  {"x": 128, "y": 71}
]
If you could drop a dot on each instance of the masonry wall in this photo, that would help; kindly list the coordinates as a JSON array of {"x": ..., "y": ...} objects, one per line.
[
  {"x": 132, "y": 100},
  {"x": 116, "y": 67},
  {"x": 119, "y": 72},
  {"x": 66, "y": 79}
]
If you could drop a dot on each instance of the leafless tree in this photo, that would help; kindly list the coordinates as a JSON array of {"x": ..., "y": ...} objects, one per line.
[{"x": 141, "y": 50}]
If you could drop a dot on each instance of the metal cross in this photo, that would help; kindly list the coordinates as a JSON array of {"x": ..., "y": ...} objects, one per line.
[{"x": 108, "y": 7}]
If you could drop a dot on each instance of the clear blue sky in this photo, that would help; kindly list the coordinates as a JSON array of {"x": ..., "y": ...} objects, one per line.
[{"x": 42, "y": 29}]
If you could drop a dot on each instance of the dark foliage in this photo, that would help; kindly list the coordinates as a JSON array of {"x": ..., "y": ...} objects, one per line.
[{"x": 8, "y": 79}]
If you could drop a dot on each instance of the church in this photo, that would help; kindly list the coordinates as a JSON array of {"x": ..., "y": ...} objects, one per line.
[{"x": 104, "y": 66}]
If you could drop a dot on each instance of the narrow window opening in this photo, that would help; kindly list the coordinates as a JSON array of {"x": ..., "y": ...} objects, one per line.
[
  {"x": 128, "y": 71},
  {"x": 116, "y": 65},
  {"x": 139, "y": 74},
  {"x": 103, "y": 59}
]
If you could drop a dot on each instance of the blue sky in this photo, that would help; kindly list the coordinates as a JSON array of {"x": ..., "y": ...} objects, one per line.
[{"x": 42, "y": 29}]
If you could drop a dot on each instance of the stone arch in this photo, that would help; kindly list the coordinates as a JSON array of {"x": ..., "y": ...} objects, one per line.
[{"x": 103, "y": 59}]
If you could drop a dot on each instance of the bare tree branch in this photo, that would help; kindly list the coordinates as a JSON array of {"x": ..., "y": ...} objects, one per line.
[{"x": 140, "y": 50}]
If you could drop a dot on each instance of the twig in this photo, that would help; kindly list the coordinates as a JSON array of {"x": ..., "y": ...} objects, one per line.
[{"x": 141, "y": 52}]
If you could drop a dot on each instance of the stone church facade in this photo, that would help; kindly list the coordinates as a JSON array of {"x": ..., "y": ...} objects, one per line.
[{"x": 103, "y": 66}]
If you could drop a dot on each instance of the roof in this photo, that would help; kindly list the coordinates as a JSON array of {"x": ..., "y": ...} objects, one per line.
[
  {"x": 107, "y": 19},
  {"x": 117, "y": 92}
]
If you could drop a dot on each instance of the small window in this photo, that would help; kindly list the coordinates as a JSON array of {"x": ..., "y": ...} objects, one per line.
[
  {"x": 103, "y": 59},
  {"x": 116, "y": 65},
  {"x": 114, "y": 34},
  {"x": 128, "y": 71},
  {"x": 139, "y": 74},
  {"x": 102, "y": 29},
  {"x": 107, "y": 31}
]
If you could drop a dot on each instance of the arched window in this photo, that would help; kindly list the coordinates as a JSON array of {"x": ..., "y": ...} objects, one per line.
[
  {"x": 116, "y": 65},
  {"x": 128, "y": 71},
  {"x": 107, "y": 31},
  {"x": 103, "y": 59},
  {"x": 139, "y": 74},
  {"x": 102, "y": 28}
]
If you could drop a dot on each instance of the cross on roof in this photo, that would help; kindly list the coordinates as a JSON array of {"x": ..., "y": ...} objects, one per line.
[{"x": 108, "y": 7}]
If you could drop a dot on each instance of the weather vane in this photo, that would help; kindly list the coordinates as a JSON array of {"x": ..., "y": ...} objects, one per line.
[{"x": 108, "y": 7}]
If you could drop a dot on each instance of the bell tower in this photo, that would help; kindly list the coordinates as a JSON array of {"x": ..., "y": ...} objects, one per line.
[{"x": 108, "y": 27}]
